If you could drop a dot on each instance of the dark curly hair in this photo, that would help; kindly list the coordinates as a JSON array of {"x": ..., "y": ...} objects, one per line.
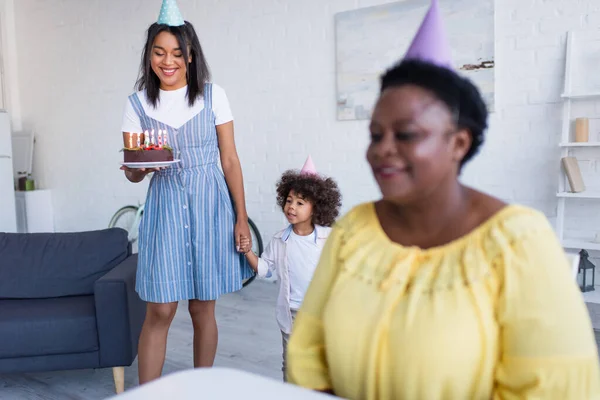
[
  {"x": 458, "y": 93},
  {"x": 323, "y": 193}
]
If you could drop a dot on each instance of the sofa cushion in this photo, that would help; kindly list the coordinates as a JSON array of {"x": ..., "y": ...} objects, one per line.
[
  {"x": 37, "y": 327},
  {"x": 43, "y": 265}
]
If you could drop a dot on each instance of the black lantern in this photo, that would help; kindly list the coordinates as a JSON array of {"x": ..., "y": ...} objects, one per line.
[{"x": 584, "y": 266}]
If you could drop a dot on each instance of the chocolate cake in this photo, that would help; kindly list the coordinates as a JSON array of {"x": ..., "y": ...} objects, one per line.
[{"x": 148, "y": 154}]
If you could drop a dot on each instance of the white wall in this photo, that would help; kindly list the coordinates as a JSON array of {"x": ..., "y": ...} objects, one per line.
[
  {"x": 11, "y": 87},
  {"x": 78, "y": 61}
]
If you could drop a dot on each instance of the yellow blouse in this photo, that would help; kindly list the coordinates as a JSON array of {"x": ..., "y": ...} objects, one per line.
[{"x": 495, "y": 314}]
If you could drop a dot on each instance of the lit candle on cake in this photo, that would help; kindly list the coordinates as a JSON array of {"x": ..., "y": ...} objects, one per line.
[
  {"x": 152, "y": 137},
  {"x": 146, "y": 138},
  {"x": 160, "y": 138}
]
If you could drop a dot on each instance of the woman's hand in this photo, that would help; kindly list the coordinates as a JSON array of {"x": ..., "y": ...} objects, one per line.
[
  {"x": 138, "y": 174},
  {"x": 242, "y": 231}
]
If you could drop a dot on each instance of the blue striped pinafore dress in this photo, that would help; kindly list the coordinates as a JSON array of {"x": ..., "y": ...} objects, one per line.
[{"x": 186, "y": 239}]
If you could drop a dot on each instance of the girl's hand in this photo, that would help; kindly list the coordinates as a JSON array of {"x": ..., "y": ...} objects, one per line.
[
  {"x": 245, "y": 245},
  {"x": 246, "y": 248},
  {"x": 242, "y": 230}
]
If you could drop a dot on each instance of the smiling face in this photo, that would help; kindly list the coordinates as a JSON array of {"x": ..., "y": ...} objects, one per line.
[
  {"x": 415, "y": 145},
  {"x": 168, "y": 62},
  {"x": 297, "y": 209}
]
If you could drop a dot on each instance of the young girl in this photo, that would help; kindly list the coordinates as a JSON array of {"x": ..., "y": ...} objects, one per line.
[
  {"x": 191, "y": 228},
  {"x": 310, "y": 203}
]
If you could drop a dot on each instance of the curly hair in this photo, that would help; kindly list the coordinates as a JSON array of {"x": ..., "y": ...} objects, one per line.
[
  {"x": 323, "y": 193},
  {"x": 458, "y": 93}
]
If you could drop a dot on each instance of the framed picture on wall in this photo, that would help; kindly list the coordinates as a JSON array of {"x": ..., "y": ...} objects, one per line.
[{"x": 370, "y": 40}]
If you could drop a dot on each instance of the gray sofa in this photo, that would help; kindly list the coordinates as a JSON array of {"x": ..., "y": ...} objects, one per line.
[{"x": 67, "y": 301}]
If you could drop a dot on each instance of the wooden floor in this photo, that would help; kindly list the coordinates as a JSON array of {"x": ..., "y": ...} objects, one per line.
[{"x": 249, "y": 339}]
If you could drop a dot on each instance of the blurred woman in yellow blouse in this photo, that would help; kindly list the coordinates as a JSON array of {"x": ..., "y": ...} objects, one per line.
[{"x": 438, "y": 291}]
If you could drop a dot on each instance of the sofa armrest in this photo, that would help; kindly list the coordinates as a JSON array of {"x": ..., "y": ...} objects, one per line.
[{"x": 120, "y": 314}]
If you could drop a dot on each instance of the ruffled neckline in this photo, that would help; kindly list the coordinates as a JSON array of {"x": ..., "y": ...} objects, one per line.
[{"x": 460, "y": 242}]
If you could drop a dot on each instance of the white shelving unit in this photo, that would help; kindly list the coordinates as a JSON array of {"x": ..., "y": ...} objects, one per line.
[
  {"x": 580, "y": 244},
  {"x": 588, "y": 144},
  {"x": 567, "y": 147},
  {"x": 583, "y": 195}
]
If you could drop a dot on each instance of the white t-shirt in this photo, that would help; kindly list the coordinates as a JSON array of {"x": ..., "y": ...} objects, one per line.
[
  {"x": 173, "y": 109},
  {"x": 303, "y": 255}
]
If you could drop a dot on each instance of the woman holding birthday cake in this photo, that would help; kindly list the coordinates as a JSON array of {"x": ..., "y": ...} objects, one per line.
[{"x": 195, "y": 214}]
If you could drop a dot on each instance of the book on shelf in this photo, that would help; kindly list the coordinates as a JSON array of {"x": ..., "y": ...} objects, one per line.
[{"x": 571, "y": 167}]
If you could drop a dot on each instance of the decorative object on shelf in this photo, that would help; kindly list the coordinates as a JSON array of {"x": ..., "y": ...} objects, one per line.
[
  {"x": 582, "y": 60},
  {"x": 571, "y": 167},
  {"x": 22, "y": 178},
  {"x": 26, "y": 183},
  {"x": 29, "y": 183},
  {"x": 582, "y": 130},
  {"x": 586, "y": 265}
]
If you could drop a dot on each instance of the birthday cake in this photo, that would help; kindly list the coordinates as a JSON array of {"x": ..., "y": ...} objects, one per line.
[{"x": 146, "y": 147}]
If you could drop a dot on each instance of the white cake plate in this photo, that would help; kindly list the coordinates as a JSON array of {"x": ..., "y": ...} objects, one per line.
[{"x": 156, "y": 164}]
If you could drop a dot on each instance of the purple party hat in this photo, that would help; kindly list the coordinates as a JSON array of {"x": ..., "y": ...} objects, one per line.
[{"x": 430, "y": 43}]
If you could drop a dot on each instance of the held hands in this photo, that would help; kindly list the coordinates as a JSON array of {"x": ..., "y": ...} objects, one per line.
[
  {"x": 242, "y": 233},
  {"x": 245, "y": 245},
  {"x": 246, "y": 248}
]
